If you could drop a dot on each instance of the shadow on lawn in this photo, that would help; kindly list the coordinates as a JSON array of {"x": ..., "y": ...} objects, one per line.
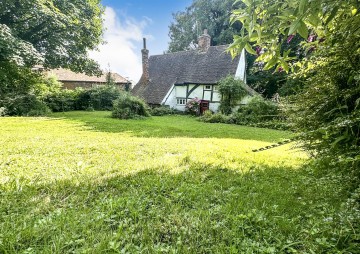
[
  {"x": 172, "y": 126},
  {"x": 196, "y": 211}
]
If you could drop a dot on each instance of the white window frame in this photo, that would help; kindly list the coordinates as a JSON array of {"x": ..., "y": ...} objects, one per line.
[
  {"x": 180, "y": 101},
  {"x": 207, "y": 89}
]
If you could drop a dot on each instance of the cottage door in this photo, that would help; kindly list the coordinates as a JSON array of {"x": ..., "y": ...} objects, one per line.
[{"x": 204, "y": 105}]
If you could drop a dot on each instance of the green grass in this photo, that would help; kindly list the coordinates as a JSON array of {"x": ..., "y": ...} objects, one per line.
[
  {"x": 82, "y": 182},
  {"x": 171, "y": 126}
]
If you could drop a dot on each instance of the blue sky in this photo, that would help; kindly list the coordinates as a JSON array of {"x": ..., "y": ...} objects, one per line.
[{"x": 126, "y": 23}]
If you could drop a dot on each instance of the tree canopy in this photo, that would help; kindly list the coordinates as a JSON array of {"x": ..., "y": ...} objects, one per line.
[
  {"x": 213, "y": 15},
  {"x": 55, "y": 33}
]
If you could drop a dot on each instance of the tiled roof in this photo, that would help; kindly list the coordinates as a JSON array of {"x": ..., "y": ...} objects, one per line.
[
  {"x": 67, "y": 75},
  {"x": 183, "y": 67}
]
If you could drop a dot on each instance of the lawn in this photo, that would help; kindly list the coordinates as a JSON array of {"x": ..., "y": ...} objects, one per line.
[{"x": 81, "y": 182}]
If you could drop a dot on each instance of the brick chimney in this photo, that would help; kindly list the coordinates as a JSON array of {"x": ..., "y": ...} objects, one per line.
[
  {"x": 204, "y": 41},
  {"x": 145, "y": 62}
]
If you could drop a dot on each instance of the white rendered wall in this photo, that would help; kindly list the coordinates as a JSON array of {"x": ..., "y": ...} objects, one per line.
[{"x": 241, "y": 69}]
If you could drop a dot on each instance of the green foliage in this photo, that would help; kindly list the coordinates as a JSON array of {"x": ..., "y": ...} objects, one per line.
[
  {"x": 54, "y": 32},
  {"x": 98, "y": 98},
  {"x": 163, "y": 111},
  {"x": 62, "y": 100},
  {"x": 65, "y": 186},
  {"x": 24, "y": 105},
  {"x": 209, "y": 117},
  {"x": 213, "y": 15},
  {"x": 326, "y": 112},
  {"x": 258, "y": 112},
  {"x": 47, "y": 86},
  {"x": 15, "y": 80},
  {"x": 232, "y": 91},
  {"x": 129, "y": 107}
]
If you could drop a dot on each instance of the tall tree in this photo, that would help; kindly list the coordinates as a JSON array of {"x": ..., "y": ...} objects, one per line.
[
  {"x": 56, "y": 33},
  {"x": 213, "y": 15}
]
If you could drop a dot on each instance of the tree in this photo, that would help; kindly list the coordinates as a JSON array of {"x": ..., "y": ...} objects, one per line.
[
  {"x": 55, "y": 33},
  {"x": 202, "y": 14},
  {"x": 327, "y": 112}
]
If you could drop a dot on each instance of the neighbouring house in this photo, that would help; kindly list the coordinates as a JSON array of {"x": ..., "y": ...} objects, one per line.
[
  {"x": 72, "y": 80},
  {"x": 173, "y": 79}
]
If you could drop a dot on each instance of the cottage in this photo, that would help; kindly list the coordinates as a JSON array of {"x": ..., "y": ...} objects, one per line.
[
  {"x": 72, "y": 80},
  {"x": 173, "y": 79}
]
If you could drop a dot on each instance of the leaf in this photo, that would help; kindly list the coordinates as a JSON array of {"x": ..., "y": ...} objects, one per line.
[
  {"x": 247, "y": 2},
  {"x": 338, "y": 140},
  {"x": 302, "y": 6},
  {"x": 294, "y": 26},
  {"x": 250, "y": 49},
  {"x": 332, "y": 15},
  {"x": 284, "y": 65},
  {"x": 314, "y": 19},
  {"x": 354, "y": 11},
  {"x": 302, "y": 30},
  {"x": 271, "y": 63}
]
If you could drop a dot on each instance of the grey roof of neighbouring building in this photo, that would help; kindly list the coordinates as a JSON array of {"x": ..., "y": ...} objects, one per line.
[
  {"x": 193, "y": 66},
  {"x": 67, "y": 75}
]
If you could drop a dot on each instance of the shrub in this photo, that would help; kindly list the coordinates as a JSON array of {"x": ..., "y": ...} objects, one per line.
[
  {"x": 192, "y": 107},
  {"x": 99, "y": 98},
  {"x": 209, "y": 117},
  {"x": 232, "y": 91},
  {"x": 163, "y": 110},
  {"x": 63, "y": 100},
  {"x": 129, "y": 107},
  {"x": 24, "y": 105},
  {"x": 258, "y": 113}
]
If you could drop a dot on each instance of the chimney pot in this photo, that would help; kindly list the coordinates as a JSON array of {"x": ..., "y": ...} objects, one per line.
[{"x": 144, "y": 42}]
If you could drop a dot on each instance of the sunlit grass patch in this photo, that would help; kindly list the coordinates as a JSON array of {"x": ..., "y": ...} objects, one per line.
[{"x": 73, "y": 183}]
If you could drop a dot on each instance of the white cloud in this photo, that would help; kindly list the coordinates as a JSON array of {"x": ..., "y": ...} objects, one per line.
[{"x": 120, "y": 51}]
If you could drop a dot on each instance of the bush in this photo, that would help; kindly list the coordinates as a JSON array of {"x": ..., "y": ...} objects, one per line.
[
  {"x": 24, "y": 105},
  {"x": 99, "y": 98},
  {"x": 129, "y": 107},
  {"x": 232, "y": 91},
  {"x": 258, "y": 113},
  {"x": 209, "y": 117},
  {"x": 63, "y": 100},
  {"x": 192, "y": 107},
  {"x": 163, "y": 110},
  {"x": 259, "y": 110}
]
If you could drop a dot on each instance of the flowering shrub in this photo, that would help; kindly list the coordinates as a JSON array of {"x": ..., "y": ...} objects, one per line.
[{"x": 193, "y": 106}]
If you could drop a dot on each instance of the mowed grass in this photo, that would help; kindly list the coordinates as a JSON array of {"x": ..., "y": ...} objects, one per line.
[{"x": 82, "y": 182}]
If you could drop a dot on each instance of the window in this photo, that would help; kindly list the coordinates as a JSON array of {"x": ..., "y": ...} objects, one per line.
[
  {"x": 181, "y": 101},
  {"x": 215, "y": 88},
  {"x": 207, "y": 87}
]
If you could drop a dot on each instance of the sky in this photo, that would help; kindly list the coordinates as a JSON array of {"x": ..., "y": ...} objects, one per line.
[{"x": 126, "y": 23}]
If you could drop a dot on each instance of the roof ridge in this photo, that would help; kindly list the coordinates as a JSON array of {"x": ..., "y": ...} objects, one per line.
[{"x": 190, "y": 50}]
